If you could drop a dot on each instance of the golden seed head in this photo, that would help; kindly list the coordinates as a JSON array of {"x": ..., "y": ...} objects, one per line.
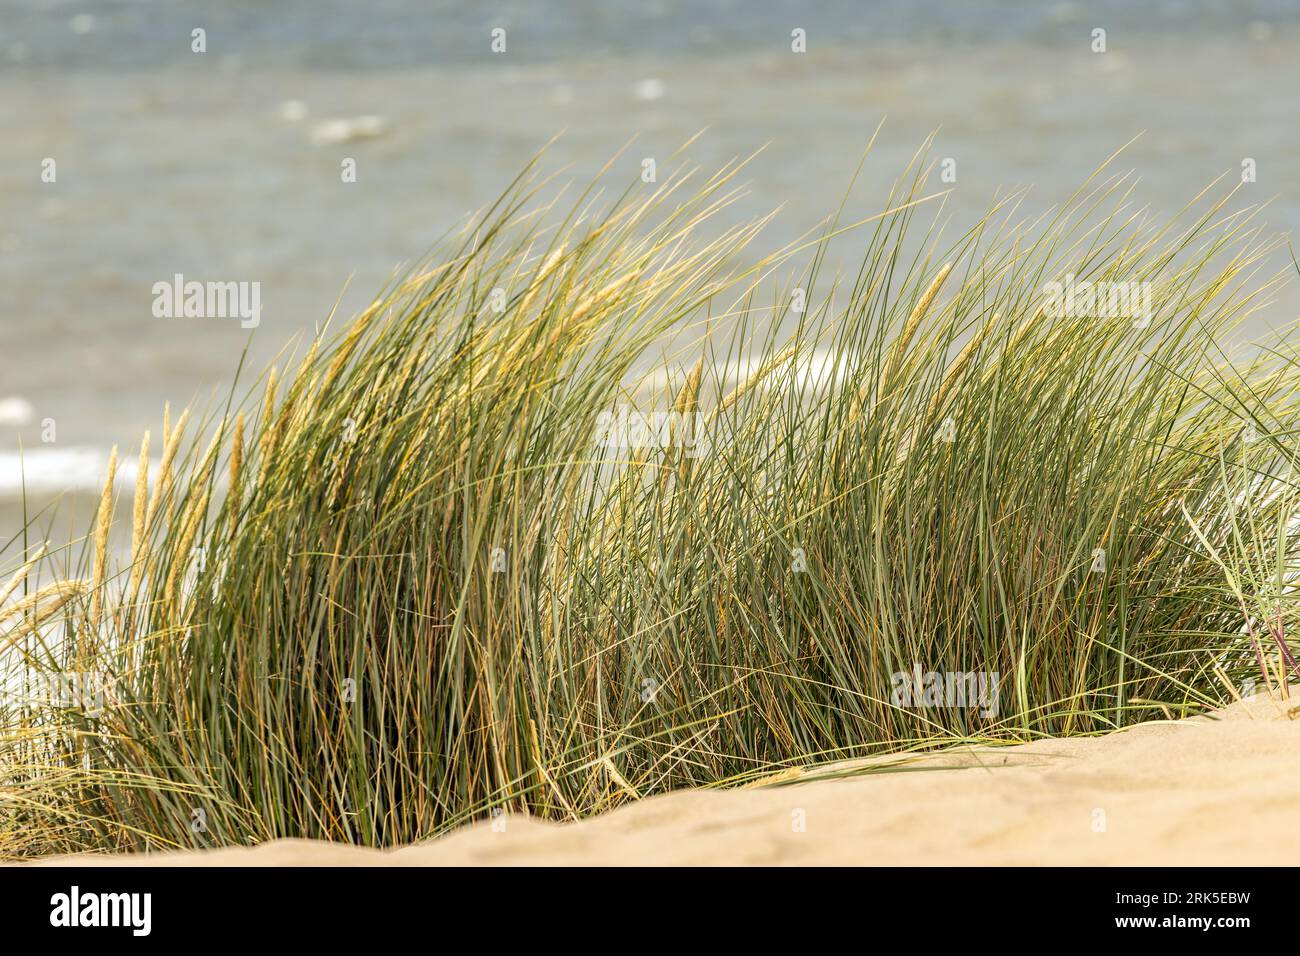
[
  {"x": 21, "y": 576},
  {"x": 102, "y": 525}
]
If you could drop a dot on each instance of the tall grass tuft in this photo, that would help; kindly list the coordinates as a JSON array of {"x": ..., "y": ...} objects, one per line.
[{"x": 404, "y": 584}]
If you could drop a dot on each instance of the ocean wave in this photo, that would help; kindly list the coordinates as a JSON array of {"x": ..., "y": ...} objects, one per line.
[
  {"x": 15, "y": 411},
  {"x": 73, "y": 470}
]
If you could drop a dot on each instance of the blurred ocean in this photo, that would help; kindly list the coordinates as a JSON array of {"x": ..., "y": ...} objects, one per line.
[{"x": 225, "y": 165}]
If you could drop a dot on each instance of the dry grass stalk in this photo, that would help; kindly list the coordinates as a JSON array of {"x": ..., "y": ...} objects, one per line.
[
  {"x": 21, "y": 575},
  {"x": 102, "y": 525},
  {"x": 139, "y": 510},
  {"x": 61, "y": 591},
  {"x": 597, "y": 299},
  {"x": 540, "y": 278},
  {"x": 958, "y": 366},
  {"x": 165, "y": 468},
  {"x": 236, "y": 465},
  {"x": 192, "y": 518},
  {"x": 899, "y": 348}
]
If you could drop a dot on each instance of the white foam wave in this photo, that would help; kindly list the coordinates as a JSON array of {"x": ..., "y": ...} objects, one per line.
[
  {"x": 51, "y": 471},
  {"x": 15, "y": 411}
]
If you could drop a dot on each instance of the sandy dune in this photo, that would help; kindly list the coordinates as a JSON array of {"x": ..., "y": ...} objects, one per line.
[{"x": 1210, "y": 790}]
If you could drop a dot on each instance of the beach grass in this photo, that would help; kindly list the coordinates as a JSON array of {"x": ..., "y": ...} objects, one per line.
[{"x": 406, "y": 579}]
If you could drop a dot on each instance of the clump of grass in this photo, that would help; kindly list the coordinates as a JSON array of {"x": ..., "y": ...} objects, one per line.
[{"x": 423, "y": 593}]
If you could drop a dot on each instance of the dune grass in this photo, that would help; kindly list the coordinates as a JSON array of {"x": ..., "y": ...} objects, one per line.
[{"x": 399, "y": 584}]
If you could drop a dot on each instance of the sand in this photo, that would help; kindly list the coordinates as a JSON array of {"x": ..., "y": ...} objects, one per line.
[{"x": 1212, "y": 790}]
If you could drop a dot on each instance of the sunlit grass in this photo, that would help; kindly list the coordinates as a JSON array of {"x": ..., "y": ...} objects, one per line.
[{"x": 396, "y": 585}]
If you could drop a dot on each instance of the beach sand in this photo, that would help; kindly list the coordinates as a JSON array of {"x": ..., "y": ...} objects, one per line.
[{"x": 1214, "y": 790}]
